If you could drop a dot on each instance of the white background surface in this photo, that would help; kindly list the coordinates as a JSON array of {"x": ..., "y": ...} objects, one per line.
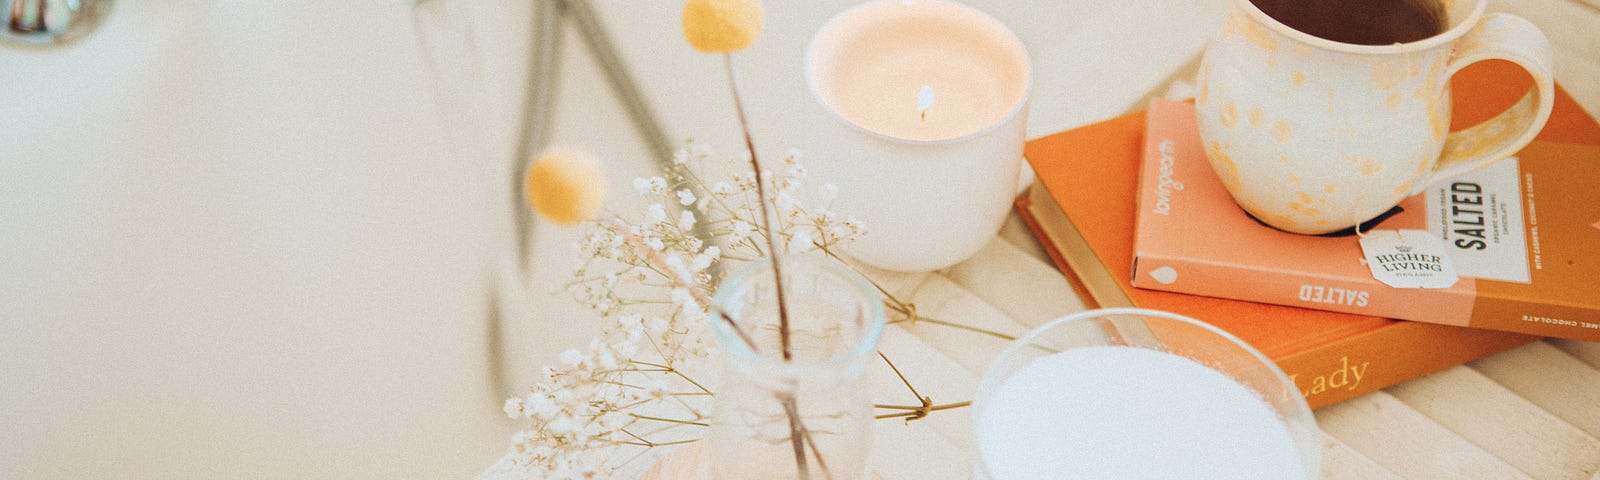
[{"x": 236, "y": 241}]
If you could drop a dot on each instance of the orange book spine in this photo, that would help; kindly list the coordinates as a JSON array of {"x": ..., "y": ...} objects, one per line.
[{"x": 1294, "y": 289}]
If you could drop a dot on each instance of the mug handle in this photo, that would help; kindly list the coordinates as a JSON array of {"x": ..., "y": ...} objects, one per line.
[{"x": 1515, "y": 39}]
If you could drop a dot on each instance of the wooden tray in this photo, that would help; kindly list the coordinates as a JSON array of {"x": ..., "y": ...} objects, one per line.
[{"x": 684, "y": 463}]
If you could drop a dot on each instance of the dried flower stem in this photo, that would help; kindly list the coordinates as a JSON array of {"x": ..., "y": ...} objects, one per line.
[
  {"x": 798, "y": 435},
  {"x": 921, "y": 319},
  {"x": 910, "y": 310},
  {"x": 815, "y": 452},
  {"x": 793, "y": 411},
  {"x": 668, "y": 420},
  {"x": 650, "y": 444},
  {"x": 766, "y": 216},
  {"x": 915, "y": 413}
]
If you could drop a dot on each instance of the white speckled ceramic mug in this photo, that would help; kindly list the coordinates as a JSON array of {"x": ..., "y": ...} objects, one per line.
[{"x": 1313, "y": 135}]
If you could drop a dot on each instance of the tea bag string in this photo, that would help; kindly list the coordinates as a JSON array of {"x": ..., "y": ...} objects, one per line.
[{"x": 1399, "y": 233}]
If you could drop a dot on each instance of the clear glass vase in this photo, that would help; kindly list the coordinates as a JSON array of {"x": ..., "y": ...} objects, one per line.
[{"x": 810, "y": 416}]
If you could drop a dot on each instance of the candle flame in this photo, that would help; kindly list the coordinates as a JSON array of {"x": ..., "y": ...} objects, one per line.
[{"x": 924, "y": 101}]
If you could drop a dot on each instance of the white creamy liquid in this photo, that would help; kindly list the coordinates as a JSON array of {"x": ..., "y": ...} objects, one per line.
[{"x": 1124, "y": 412}]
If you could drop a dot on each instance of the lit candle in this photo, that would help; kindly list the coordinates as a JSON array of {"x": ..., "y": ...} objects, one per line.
[{"x": 917, "y": 110}]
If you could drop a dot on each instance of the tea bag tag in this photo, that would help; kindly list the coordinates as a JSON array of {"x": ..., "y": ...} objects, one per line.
[{"x": 1408, "y": 259}]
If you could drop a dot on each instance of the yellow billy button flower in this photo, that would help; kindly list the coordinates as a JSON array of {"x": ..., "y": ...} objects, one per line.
[
  {"x": 565, "y": 185},
  {"x": 722, "y": 26}
]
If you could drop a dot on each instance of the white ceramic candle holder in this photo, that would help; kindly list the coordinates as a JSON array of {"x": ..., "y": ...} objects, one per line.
[{"x": 917, "y": 110}]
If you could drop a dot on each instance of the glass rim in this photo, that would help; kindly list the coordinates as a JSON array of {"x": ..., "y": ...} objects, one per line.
[
  {"x": 1301, "y": 411},
  {"x": 861, "y": 348},
  {"x": 1022, "y": 342}
]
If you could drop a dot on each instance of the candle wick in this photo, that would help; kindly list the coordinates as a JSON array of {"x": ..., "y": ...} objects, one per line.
[{"x": 924, "y": 101}]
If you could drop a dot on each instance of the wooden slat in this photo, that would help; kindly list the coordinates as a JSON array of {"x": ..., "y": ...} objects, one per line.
[
  {"x": 1339, "y": 461},
  {"x": 901, "y": 285},
  {"x": 940, "y": 298},
  {"x": 935, "y": 375},
  {"x": 1405, "y": 442},
  {"x": 1589, "y": 352},
  {"x": 1019, "y": 285},
  {"x": 1550, "y": 378},
  {"x": 905, "y": 453},
  {"x": 943, "y": 300},
  {"x": 1016, "y": 233},
  {"x": 1500, "y": 422},
  {"x": 687, "y": 461}
]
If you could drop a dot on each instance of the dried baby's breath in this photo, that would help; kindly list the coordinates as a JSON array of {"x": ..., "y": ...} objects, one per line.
[{"x": 644, "y": 382}]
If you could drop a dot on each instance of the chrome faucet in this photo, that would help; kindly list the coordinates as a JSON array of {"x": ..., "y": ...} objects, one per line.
[{"x": 48, "y": 23}]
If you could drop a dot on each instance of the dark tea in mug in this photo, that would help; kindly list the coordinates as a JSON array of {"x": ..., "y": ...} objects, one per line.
[{"x": 1361, "y": 22}]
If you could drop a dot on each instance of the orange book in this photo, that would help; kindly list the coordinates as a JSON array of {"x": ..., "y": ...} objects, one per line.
[
  {"x": 1082, "y": 209},
  {"x": 1521, "y": 233}
]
